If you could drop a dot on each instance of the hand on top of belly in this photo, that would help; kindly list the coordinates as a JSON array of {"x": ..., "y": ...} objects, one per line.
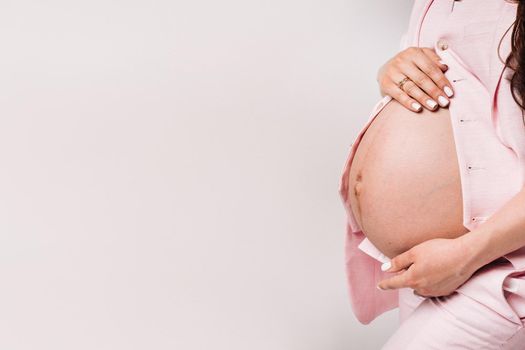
[{"x": 426, "y": 85}]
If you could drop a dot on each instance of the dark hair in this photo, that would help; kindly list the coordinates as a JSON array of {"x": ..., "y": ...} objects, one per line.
[{"x": 516, "y": 58}]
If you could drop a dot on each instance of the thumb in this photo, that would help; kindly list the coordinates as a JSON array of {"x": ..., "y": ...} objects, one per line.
[{"x": 399, "y": 262}]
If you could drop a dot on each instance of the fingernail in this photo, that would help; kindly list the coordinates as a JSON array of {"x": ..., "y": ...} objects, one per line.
[
  {"x": 379, "y": 287},
  {"x": 448, "y": 91},
  {"x": 386, "y": 266},
  {"x": 443, "y": 63},
  {"x": 443, "y": 102},
  {"x": 431, "y": 103},
  {"x": 416, "y": 106}
]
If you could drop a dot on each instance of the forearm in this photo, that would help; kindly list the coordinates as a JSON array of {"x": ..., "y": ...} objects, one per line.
[{"x": 501, "y": 234}]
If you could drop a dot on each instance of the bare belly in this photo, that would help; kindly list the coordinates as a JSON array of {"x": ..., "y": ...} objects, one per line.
[{"x": 404, "y": 183}]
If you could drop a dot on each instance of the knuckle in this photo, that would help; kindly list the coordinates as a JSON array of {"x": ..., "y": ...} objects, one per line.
[
  {"x": 434, "y": 91},
  {"x": 421, "y": 80},
  {"x": 405, "y": 54},
  {"x": 402, "y": 65},
  {"x": 385, "y": 86},
  {"x": 398, "y": 60},
  {"x": 392, "y": 91},
  {"x": 411, "y": 88},
  {"x": 434, "y": 72},
  {"x": 387, "y": 82},
  {"x": 400, "y": 96}
]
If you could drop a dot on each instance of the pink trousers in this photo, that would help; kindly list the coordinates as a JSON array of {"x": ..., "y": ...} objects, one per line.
[{"x": 458, "y": 321}]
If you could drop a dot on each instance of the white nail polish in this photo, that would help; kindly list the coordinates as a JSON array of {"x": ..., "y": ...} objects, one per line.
[
  {"x": 431, "y": 103},
  {"x": 443, "y": 102},
  {"x": 416, "y": 106},
  {"x": 448, "y": 91},
  {"x": 386, "y": 266}
]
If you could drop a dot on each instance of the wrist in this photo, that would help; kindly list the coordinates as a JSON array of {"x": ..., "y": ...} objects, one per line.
[{"x": 478, "y": 249}]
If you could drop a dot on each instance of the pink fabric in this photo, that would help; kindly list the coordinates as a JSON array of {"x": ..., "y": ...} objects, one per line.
[
  {"x": 490, "y": 142},
  {"x": 456, "y": 322}
]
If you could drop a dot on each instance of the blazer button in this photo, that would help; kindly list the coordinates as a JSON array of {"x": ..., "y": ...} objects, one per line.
[{"x": 442, "y": 44}]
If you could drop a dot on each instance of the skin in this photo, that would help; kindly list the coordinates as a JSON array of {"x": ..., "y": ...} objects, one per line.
[
  {"x": 437, "y": 267},
  {"x": 432, "y": 268},
  {"x": 427, "y": 80}
]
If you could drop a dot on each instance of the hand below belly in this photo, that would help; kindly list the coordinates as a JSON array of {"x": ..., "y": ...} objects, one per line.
[{"x": 404, "y": 183}]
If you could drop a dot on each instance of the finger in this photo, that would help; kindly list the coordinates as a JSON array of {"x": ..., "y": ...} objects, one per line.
[
  {"x": 397, "y": 281},
  {"x": 428, "y": 64},
  {"x": 402, "y": 97},
  {"x": 431, "y": 53},
  {"x": 423, "y": 80},
  {"x": 399, "y": 262},
  {"x": 413, "y": 91}
]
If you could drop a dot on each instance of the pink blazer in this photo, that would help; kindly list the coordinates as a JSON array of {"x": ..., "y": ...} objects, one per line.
[{"x": 490, "y": 142}]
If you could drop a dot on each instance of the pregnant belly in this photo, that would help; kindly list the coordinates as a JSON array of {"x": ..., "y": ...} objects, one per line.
[{"x": 404, "y": 184}]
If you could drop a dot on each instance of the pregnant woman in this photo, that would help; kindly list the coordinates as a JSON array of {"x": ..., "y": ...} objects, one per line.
[{"x": 437, "y": 193}]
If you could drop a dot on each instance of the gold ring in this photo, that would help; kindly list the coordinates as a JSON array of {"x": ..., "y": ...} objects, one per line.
[{"x": 402, "y": 82}]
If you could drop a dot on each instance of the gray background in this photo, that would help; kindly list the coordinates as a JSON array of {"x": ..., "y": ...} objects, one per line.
[{"x": 170, "y": 171}]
